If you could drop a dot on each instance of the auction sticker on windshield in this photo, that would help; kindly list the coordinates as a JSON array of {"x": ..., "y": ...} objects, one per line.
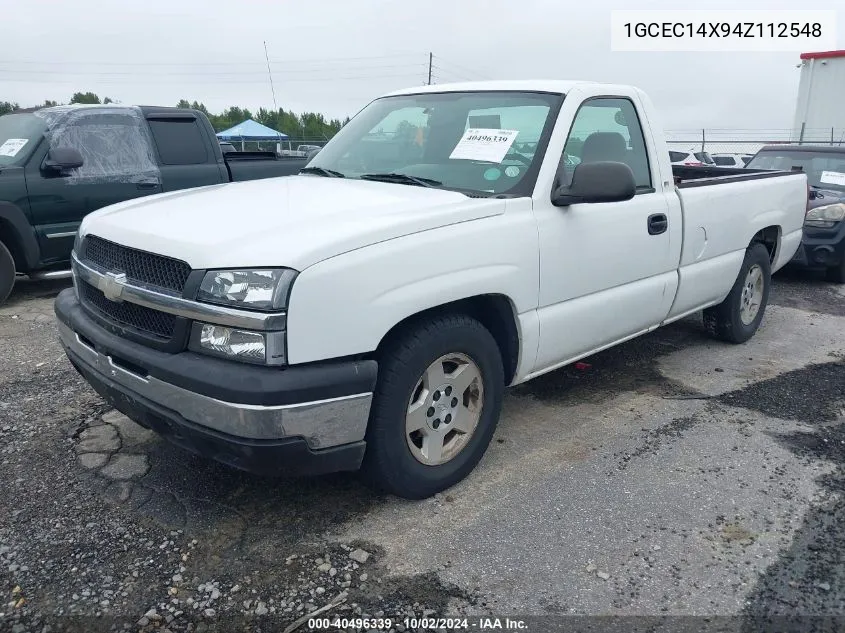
[
  {"x": 833, "y": 178},
  {"x": 12, "y": 146},
  {"x": 484, "y": 144}
]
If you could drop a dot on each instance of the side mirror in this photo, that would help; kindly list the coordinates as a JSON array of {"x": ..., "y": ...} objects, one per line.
[
  {"x": 597, "y": 182},
  {"x": 312, "y": 153},
  {"x": 62, "y": 158}
]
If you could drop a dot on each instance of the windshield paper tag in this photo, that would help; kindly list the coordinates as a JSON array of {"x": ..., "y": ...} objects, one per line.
[
  {"x": 833, "y": 178},
  {"x": 484, "y": 144},
  {"x": 12, "y": 146}
]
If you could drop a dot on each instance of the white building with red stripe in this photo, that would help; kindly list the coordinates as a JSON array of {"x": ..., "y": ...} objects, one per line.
[{"x": 820, "y": 108}]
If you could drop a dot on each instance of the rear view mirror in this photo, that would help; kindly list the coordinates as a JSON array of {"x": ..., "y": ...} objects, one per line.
[
  {"x": 603, "y": 181},
  {"x": 62, "y": 158}
]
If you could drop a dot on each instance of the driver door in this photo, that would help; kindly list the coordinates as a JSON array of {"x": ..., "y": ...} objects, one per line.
[
  {"x": 118, "y": 166},
  {"x": 605, "y": 275}
]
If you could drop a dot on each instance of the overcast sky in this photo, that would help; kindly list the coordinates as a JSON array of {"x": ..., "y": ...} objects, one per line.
[{"x": 334, "y": 56}]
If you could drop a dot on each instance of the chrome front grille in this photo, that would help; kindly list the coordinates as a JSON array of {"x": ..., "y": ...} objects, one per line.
[
  {"x": 147, "y": 320},
  {"x": 140, "y": 267}
]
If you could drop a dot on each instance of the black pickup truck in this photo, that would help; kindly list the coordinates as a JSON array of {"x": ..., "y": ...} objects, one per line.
[
  {"x": 823, "y": 243},
  {"x": 59, "y": 164}
]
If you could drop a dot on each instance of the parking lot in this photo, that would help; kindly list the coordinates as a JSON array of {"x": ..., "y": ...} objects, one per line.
[{"x": 669, "y": 475}]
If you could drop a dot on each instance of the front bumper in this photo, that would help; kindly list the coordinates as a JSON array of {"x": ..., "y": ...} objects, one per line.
[
  {"x": 297, "y": 420},
  {"x": 821, "y": 248}
]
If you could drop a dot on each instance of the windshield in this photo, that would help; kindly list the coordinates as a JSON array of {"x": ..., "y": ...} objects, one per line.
[
  {"x": 482, "y": 143},
  {"x": 19, "y": 134},
  {"x": 824, "y": 169}
]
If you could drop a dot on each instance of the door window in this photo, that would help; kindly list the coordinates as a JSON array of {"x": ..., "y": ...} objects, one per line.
[
  {"x": 607, "y": 129},
  {"x": 179, "y": 141},
  {"x": 114, "y": 147}
]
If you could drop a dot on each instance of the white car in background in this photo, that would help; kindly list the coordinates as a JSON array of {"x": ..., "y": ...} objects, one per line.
[
  {"x": 732, "y": 160},
  {"x": 697, "y": 159}
]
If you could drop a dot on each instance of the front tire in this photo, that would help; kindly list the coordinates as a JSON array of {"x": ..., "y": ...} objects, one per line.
[
  {"x": 738, "y": 317},
  {"x": 7, "y": 272},
  {"x": 436, "y": 406}
]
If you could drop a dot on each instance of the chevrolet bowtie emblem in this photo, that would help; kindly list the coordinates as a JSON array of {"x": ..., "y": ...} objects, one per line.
[{"x": 111, "y": 285}]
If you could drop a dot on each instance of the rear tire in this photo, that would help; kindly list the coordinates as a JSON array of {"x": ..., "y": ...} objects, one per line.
[
  {"x": 836, "y": 274},
  {"x": 7, "y": 272},
  {"x": 436, "y": 406},
  {"x": 738, "y": 317}
]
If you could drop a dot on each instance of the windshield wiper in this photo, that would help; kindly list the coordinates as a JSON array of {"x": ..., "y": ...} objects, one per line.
[
  {"x": 402, "y": 179},
  {"x": 322, "y": 171}
]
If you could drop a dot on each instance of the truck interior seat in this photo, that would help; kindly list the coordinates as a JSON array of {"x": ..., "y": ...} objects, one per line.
[{"x": 601, "y": 146}]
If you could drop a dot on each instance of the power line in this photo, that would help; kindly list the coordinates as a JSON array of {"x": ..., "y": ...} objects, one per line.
[
  {"x": 453, "y": 74},
  {"x": 220, "y": 63},
  {"x": 232, "y": 73},
  {"x": 463, "y": 68},
  {"x": 202, "y": 72},
  {"x": 332, "y": 69},
  {"x": 154, "y": 81}
]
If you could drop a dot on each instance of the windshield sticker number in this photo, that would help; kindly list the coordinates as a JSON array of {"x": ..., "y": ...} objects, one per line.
[
  {"x": 484, "y": 144},
  {"x": 12, "y": 146},
  {"x": 833, "y": 178}
]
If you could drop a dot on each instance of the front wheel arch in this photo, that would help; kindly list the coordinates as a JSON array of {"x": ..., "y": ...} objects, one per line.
[
  {"x": 19, "y": 237},
  {"x": 496, "y": 312}
]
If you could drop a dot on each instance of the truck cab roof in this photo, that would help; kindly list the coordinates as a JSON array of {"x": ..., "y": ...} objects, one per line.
[
  {"x": 556, "y": 86},
  {"x": 74, "y": 107}
]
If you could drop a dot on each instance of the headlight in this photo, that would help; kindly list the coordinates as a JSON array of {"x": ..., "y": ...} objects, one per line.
[
  {"x": 253, "y": 289},
  {"x": 263, "y": 348},
  {"x": 77, "y": 244},
  {"x": 826, "y": 216}
]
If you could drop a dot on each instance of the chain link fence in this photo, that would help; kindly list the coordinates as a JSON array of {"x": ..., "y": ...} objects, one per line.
[
  {"x": 285, "y": 147},
  {"x": 746, "y": 141}
]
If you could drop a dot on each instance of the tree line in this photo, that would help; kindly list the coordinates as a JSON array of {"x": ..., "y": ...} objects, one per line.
[{"x": 308, "y": 125}]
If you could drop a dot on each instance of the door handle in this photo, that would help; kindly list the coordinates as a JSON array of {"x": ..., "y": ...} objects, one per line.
[
  {"x": 147, "y": 185},
  {"x": 657, "y": 223}
]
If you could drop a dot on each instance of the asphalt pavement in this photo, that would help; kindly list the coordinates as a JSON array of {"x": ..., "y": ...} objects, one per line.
[{"x": 671, "y": 476}]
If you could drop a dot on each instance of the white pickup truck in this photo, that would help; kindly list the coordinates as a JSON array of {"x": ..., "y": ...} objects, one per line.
[{"x": 448, "y": 242}]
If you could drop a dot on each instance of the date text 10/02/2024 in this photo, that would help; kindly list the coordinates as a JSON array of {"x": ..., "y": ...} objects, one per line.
[{"x": 449, "y": 624}]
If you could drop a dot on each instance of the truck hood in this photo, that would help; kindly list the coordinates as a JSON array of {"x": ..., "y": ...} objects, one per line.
[{"x": 293, "y": 221}]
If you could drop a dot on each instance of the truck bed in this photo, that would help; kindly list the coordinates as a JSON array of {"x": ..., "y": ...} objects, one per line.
[
  {"x": 720, "y": 221},
  {"x": 688, "y": 176}
]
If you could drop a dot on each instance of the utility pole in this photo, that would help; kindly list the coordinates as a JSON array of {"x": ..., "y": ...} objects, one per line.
[
  {"x": 430, "y": 62},
  {"x": 272, "y": 89}
]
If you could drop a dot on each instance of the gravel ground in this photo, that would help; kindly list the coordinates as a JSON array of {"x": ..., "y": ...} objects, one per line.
[{"x": 669, "y": 476}]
